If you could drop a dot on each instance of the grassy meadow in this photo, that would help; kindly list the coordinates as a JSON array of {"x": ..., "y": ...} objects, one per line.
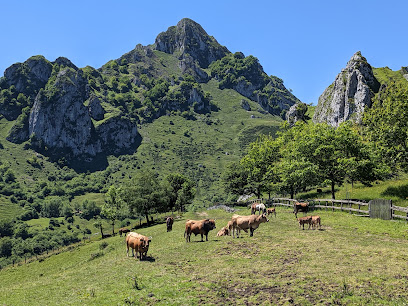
[{"x": 351, "y": 260}]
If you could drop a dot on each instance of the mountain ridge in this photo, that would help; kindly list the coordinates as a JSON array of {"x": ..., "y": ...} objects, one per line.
[{"x": 140, "y": 86}]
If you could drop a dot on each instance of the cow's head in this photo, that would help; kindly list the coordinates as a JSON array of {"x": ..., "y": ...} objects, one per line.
[
  {"x": 145, "y": 241},
  {"x": 211, "y": 223},
  {"x": 263, "y": 218}
]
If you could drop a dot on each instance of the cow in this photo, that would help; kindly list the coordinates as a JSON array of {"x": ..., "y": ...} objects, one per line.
[
  {"x": 123, "y": 230},
  {"x": 271, "y": 211},
  {"x": 169, "y": 223},
  {"x": 304, "y": 220},
  {"x": 304, "y": 207},
  {"x": 138, "y": 243},
  {"x": 198, "y": 227},
  {"x": 258, "y": 207},
  {"x": 229, "y": 226},
  {"x": 316, "y": 221},
  {"x": 223, "y": 232},
  {"x": 247, "y": 222}
]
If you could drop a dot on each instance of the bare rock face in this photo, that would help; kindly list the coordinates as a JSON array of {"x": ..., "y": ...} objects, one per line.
[
  {"x": 188, "y": 37},
  {"x": 60, "y": 122},
  {"x": 33, "y": 73},
  {"x": 349, "y": 95},
  {"x": 95, "y": 108}
]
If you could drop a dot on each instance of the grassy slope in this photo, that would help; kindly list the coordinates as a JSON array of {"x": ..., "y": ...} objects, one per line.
[
  {"x": 195, "y": 148},
  {"x": 351, "y": 260}
]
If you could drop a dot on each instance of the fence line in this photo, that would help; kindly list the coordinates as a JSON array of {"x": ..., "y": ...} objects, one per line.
[{"x": 352, "y": 206}]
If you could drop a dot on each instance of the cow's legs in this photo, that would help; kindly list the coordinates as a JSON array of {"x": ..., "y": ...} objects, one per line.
[{"x": 251, "y": 232}]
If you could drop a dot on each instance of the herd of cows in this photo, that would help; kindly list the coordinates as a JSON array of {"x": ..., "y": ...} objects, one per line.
[{"x": 140, "y": 243}]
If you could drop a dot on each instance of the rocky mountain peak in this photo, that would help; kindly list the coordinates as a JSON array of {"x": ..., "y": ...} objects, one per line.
[
  {"x": 350, "y": 93},
  {"x": 188, "y": 37}
]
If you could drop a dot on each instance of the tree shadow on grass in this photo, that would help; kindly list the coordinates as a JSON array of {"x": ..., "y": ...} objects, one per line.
[{"x": 396, "y": 191}]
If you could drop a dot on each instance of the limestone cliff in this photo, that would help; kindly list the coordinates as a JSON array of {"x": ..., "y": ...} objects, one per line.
[{"x": 350, "y": 93}]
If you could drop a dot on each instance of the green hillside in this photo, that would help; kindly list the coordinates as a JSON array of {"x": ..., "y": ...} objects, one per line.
[{"x": 343, "y": 263}]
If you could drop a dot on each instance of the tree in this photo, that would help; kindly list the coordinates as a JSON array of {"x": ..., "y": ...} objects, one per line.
[
  {"x": 235, "y": 179},
  {"x": 98, "y": 225},
  {"x": 112, "y": 206},
  {"x": 180, "y": 190},
  {"x": 333, "y": 151},
  {"x": 6, "y": 228},
  {"x": 144, "y": 195},
  {"x": 259, "y": 163},
  {"x": 90, "y": 210},
  {"x": 51, "y": 208},
  {"x": 386, "y": 124}
]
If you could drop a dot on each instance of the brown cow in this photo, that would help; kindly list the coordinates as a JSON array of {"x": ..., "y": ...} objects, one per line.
[
  {"x": 198, "y": 227},
  {"x": 247, "y": 222},
  {"x": 223, "y": 232},
  {"x": 123, "y": 230},
  {"x": 169, "y": 223},
  {"x": 138, "y": 243},
  {"x": 304, "y": 207},
  {"x": 271, "y": 211},
  {"x": 316, "y": 221},
  {"x": 305, "y": 220},
  {"x": 230, "y": 227}
]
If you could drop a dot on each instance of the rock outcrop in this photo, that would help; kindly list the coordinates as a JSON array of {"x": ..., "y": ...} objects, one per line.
[
  {"x": 60, "y": 122},
  {"x": 349, "y": 95},
  {"x": 296, "y": 113},
  {"x": 188, "y": 37}
]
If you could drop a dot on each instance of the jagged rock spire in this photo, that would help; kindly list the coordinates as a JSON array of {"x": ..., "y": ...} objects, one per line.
[{"x": 350, "y": 93}]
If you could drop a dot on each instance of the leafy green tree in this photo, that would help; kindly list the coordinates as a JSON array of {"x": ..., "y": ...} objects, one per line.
[
  {"x": 260, "y": 162},
  {"x": 6, "y": 228},
  {"x": 6, "y": 246},
  {"x": 144, "y": 195},
  {"x": 180, "y": 190},
  {"x": 98, "y": 224},
  {"x": 235, "y": 179},
  {"x": 387, "y": 124},
  {"x": 332, "y": 151},
  {"x": 21, "y": 231},
  {"x": 111, "y": 207},
  {"x": 90, "y": 210},
  {"x": 51, "y": 208}
]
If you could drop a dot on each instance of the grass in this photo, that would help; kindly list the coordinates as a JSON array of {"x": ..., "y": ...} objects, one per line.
[
  {"x": 351, "y": 260},
  {"x": 9, "y": 210}
]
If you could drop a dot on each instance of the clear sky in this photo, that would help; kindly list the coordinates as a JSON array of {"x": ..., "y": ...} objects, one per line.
[{"x": 306, "y": 43}]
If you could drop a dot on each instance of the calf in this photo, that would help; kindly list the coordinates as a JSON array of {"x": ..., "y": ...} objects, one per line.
[
  {"x": 316, "y": 221},
  {"x": 305, "y": 220},
  {"x": 271, "y": 211},
  {"x": 138, "y": 243},
  {"x": 304, "y": 207},
  {"x": 223, "y": 232},
  {"x": 198, "y": 227}
]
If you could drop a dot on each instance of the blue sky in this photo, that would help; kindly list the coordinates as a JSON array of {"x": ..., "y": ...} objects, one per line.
[{"x": 305, "y": 43}]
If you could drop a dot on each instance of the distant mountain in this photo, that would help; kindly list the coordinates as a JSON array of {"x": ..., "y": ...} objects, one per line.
[{"x": 81, "y": 113}]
